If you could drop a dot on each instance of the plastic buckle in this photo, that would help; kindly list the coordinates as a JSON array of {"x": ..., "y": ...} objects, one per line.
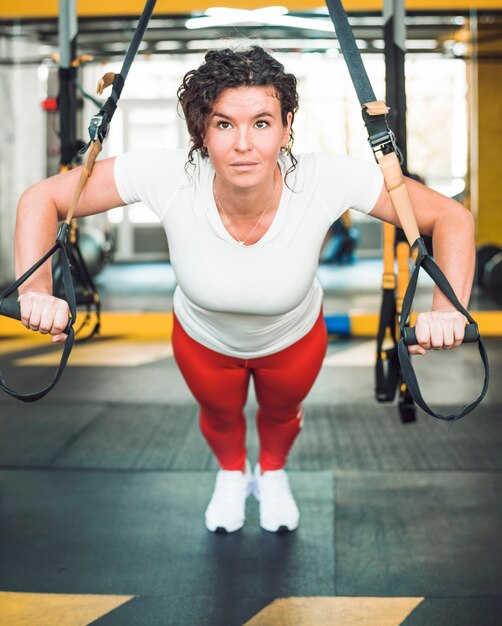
[
  {"x": 388, "y": 281},
  {"x": 419, "y": 251},
  {"x": 62, "y": 235},
  {"x": 384, "y": 143},
  {"x": 94, "y": 126},
  {"x": 97, "y": 129},
  {"x": 406, "y": 406}
]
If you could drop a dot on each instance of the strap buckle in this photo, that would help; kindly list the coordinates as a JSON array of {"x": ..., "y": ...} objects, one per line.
[
  {"x": 388, "y": 280},
  {"x": 419, "y": 251},
  {"x": 62, "y": 235},
  {"x": 96, "y": 130},
  {"x": 384, "y": 143}
]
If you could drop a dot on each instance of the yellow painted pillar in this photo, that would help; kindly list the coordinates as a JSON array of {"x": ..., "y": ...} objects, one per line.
[{"x": 486, "y": 133}]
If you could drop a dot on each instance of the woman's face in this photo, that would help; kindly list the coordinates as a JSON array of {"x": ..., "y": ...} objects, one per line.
[{"x": 244, "y": 136}]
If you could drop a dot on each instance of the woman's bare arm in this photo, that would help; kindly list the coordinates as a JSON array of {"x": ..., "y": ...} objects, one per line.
[
  {"x": 39, "y": 210},
  {"x": 44, "y": 204},
  {"x": 452, "y": 228}
]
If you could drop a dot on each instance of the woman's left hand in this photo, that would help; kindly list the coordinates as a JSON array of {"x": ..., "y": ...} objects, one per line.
[{"x": 438, "y": 330}]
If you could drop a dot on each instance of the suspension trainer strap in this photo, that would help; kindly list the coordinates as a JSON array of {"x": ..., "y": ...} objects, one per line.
[
  {"x": 424, "y": 261},
  {"x": 11, "y": 309},
  {"x": 98, "y": 130},
  {"x": 387, "y": 361},
  {"x": 100, "y": 122},
  {"x": 386, "y": 153}
]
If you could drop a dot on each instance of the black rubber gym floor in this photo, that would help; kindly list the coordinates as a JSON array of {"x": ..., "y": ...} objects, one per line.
[
  {"x": 156, "y": 437},
  {"x": 104, "y": 483}
]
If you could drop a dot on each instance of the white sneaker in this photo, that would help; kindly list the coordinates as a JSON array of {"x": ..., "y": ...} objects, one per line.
[
  {"x": 226, "y": 510},
  {"x": 278, "y": 510}
]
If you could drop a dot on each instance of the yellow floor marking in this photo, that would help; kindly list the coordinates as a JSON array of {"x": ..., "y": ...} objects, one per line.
[
  {"x": 114, "y": 353},
  {"x": 323, "y": 611},
  {"x": 24, "y": 343},
  {"x": 51, "y": 609},
  {"x": 362, "y": 355}
]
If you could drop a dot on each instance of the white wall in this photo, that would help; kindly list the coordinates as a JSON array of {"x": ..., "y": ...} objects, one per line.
[{"x": 22, "y": 141}]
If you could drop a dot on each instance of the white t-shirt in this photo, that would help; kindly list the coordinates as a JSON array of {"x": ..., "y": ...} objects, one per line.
[{"x": 246, "y": 301}]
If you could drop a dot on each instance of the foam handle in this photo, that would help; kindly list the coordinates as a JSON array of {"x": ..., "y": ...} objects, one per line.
[
  {"x": 471, "y": 335},
  {"x": 11, "y": 308}
]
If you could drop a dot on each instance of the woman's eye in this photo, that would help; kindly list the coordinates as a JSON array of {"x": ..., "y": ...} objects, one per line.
[
  {"x": 261, "y": 124},
  {"x": 223, "y": 125}
]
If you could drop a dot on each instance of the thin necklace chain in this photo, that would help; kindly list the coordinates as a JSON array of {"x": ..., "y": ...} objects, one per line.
[{"x": 243, "y": 241}]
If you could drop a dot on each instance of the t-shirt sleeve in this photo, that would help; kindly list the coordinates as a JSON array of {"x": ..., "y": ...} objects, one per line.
[
  {"x": 151, "y": 177},
  {"x": 348, "y": 183}
]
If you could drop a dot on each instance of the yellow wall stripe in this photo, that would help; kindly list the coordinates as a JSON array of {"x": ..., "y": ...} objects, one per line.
[
  {"x": 95, "y": 8},
  {"x": 366, "y": 324},
  {"x": 143, "y": 325},
  {"x": 151, "y": 326}
]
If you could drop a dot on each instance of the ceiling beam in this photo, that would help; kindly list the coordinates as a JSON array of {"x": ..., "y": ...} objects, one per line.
[{"x": 96, "y": 8}]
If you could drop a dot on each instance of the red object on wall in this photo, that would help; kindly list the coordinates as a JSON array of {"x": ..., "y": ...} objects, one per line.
[{"x": 50, "y": 105}]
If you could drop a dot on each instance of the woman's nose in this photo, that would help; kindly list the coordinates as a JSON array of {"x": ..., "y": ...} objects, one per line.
[{"x": 243, "y": 140}]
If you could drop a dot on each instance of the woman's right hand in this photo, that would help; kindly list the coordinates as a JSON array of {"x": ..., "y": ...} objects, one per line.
[{"x": 44, "y": 313}]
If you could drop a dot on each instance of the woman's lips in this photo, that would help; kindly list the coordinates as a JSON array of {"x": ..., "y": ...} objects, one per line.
[{"x": 244, "y": 166}]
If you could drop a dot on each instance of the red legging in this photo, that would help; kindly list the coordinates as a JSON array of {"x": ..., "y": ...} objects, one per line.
[{"x": 220, "y": 385}]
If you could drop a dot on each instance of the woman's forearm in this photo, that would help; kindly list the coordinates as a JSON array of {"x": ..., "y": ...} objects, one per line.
[
  {"x": 36, "y": 230},
  {"x": 42, "y": 206},
  {"x": 453, "y": 240}
]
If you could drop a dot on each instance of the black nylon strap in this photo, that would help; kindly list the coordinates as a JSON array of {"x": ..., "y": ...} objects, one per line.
[
  {"x": 428, "y": 264},
  {"x": 70, "y": 296},
  {"x": 387, "y": 370},
  {"x": 100, "y": 127},
  {"x": 351, "y": 52},
  {"x": 381, "y": 139},
  {"x": 376, "y": 125}
]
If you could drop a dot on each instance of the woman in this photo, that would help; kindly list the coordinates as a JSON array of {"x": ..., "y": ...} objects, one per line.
[{"x": 245, "y": 221}]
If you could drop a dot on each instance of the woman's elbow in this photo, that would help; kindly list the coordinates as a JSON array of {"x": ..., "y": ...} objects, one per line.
[
  {"x": 467, "y": 219},
  {"x": 37, "y": 197},
  {"x": 460, "y": 218}
]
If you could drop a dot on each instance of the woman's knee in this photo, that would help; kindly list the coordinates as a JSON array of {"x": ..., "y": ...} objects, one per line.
[
  {"x": 280, "y": 414},
  {"x": 221, "y": 421}
]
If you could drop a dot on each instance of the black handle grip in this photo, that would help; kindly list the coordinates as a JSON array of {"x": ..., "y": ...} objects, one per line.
[
  {"x": 471, "y": 335},
  {"x": 11, "y": 308}
]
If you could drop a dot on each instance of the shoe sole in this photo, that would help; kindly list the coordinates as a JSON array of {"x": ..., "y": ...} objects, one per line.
[
  {"x": 281, "y": 530},
  {"x": 221, "y": 530}
]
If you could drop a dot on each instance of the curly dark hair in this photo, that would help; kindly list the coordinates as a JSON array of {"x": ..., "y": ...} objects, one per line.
[{"x": 226, "y": 68}]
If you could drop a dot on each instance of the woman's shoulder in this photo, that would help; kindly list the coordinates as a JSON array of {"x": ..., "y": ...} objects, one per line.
[
  {"x": 150, "y": 175},
  {"x": 321, "y": 158},
  {"x": 146, "y": 157},
  {"x": 339, "y": 166},
  {"x": 309, "y": 166},
  {"x": 149, "y": 160},
  {"x": 160, "y": 165}
]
